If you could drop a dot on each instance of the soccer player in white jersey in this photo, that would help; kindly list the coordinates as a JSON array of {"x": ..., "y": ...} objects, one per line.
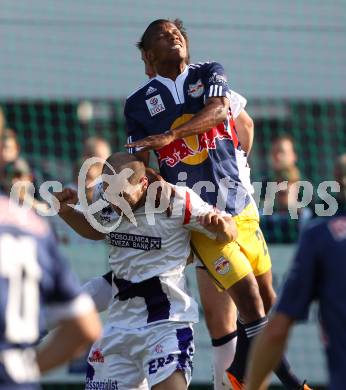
[{"x": 148, "y": 341}]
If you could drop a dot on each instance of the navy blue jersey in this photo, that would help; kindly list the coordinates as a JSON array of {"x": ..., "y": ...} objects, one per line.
[
  {"x": 319, "y": 273},
  {"x": 213, "y": 163},
  {"x": 32, "y": 274}
]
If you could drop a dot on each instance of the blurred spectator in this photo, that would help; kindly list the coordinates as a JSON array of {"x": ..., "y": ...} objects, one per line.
[
  {"x": 11, "y": 147},
  {"x": 280, "y": 227},
  {"x": 96, "y": 147},
  {"x": 340, "y": 175},
  {"x": 94, "y": 172},
  {"x": 2, "y": 121},
  {"x": 283, "y": 155},
  {"x": 93, "y": 147},
  {"x": 19, "y": 182},
  {"x": 15, "y": 167}
]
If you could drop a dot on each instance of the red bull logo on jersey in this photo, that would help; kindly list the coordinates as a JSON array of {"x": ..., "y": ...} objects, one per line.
[
  {"x": 222, "y": 266},
  {"x": 196, "y": 90},
  {"x": 192, "y": 150}
]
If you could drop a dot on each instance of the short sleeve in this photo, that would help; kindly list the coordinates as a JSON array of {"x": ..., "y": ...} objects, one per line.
[
  {"x": 215, "y": 81},
  {"x": 237, "y": 104},
  {"x": 194, "y": 207},
  {"x": 299, "y": 289},
  {"x": 135, "y": 131}
]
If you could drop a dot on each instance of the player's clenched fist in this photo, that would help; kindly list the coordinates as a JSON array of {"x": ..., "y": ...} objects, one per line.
[
  {"x": 222, "y": 225},
  {"x": 66, "y": 199}
]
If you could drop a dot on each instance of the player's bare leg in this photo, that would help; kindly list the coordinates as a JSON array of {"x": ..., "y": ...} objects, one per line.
[
  {"x": 219, "y": 309},
  {"x": 283, "y": 372},
  {"x": 176, "y": 381},
  {"x": 246, "y": 296},
  {"x": 265, "y": 285},
  {"x": 221, "y": 320}
]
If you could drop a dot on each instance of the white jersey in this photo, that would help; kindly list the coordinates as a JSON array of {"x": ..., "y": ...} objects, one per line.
[{"x": 148, "y": 261}]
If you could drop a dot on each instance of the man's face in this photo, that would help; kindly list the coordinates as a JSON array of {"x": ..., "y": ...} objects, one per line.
[
  {"x": 167, "y": 45},
  {"x": 10, "y": 150},
  {"x": 132, "y": 193},
  {"x": 283, "y": 155}
]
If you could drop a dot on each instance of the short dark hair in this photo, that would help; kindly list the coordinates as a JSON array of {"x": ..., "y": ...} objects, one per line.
[
  {"x": 144, "y": 42},
  {"x": 284, "y": 137}
]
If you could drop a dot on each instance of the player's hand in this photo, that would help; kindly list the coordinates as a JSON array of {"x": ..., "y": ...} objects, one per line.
[
  {"x": 153, "y": 142},
  {"x": 66, "y": 198},
  {"x": 223, "y": 227}
]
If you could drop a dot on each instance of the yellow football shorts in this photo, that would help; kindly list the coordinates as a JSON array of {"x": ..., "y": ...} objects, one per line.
[{"x": 229, "y": 263}]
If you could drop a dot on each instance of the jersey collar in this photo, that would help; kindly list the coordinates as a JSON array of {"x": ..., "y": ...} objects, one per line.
[
  {"x": 176, "y": 87},
  {"x": 182, "y": 76}
]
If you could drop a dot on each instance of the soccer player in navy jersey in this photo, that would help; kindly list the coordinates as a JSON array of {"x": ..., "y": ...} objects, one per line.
[
  {"x": 183, "y": 114},
  {"x": 318, "y": 273},
  {"x": 219, "y": 310},
  {"x": 33, "y": 277}
]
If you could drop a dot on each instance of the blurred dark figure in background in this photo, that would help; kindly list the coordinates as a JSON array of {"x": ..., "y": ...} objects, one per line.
[
  {"x": 317, "y": 274},
  {"x": 280, "y": 226}
]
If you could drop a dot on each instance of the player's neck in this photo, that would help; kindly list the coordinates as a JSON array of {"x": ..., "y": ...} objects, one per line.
[{"x": 170, "y": 71}]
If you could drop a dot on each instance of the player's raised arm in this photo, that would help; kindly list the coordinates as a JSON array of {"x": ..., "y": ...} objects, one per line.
[
  {"x": 75, "y": 219},
  {"x": 214, "y": 112}
]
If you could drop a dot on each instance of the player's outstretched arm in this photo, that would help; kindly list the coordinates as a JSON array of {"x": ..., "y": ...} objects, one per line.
[
  {"x": 75, "y": 219},
  {"x": 267, "y": 351},
  {"x": 221, "y": 225},
  {"x": 69, "y": 340},
  {"x": 213, "y": 113}
]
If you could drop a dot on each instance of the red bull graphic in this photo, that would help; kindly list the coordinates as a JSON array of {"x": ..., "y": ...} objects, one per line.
[
  {"x": 192, "y": 150},
  {"x": 222, "y": 266}
]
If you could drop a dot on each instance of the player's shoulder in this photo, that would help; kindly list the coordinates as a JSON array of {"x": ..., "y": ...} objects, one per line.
[
  {"x": 206, "y": 67},
  {"x": 22, "y": 219},
  {"x": 326, "y": 227},
  {"x": 144, "y": 91}
]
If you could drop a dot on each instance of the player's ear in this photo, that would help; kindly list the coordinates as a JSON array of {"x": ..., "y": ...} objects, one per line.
[
  {"x": 145, "y": 182},
  {"x": 144, "y": 55},
  {"x": 149, "y": 56}
]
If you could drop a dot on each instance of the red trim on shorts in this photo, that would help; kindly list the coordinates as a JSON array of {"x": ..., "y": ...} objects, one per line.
[{"x": 187, "y": 215}]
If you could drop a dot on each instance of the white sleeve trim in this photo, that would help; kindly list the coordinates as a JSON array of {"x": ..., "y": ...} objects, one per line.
[
  {"x": 79, "y": 306},
  {"x": 100, "y": 291},
  {"x": 237, "y": 103}
]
